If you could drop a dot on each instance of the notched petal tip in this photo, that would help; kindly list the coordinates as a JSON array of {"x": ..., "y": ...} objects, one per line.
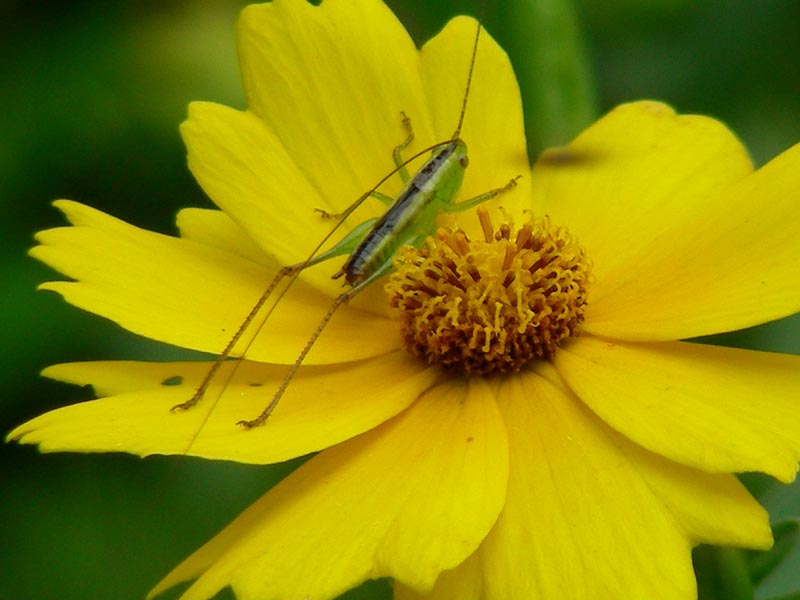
[{"x": 134, "y": 413}]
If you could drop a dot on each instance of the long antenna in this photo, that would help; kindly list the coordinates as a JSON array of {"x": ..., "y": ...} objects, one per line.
[
  {"x": 293, "y": 271},
  {"x": 344, "y": 297},
  {"x": 472, "y": 60}
]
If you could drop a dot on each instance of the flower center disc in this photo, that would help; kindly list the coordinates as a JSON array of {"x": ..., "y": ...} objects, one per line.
[{"x": 491, "y": 305}]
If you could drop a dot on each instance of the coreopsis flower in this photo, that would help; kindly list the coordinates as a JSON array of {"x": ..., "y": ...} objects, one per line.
[{"x": 511, "y": 413}]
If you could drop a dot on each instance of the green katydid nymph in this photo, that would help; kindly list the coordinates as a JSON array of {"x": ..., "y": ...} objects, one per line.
[{"x": 371, "y": 246}]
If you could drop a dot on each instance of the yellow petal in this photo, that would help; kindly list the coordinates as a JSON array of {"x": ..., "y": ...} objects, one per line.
[
  {"x": 299, "y": 150},
  {"x": 345, "y": 152},
  {"x": 344, "y": 71},
  {"x": 195, "y": 296},
  {"x": 246, "y": 171},
  {"x": 709, "y": 508},
  {"x": 406, "y": 500},
  {"x": 321, "y": 407},
  {"x": 465, "y": 582},
  {"x": 216, "y": 229},
  {"x": 734, "y": 263},
  {"x": 717, "y": 409},
  {"x": 585, "y": 509},
  {"x": 493, "y": 125},
  {"x": 633, "y": 179}
]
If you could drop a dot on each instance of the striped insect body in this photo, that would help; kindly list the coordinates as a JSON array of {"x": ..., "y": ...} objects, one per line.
[{"x": 371, "y": 246}]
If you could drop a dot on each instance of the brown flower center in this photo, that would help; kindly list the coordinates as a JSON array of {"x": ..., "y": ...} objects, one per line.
[{"x": 491, "y": 305}]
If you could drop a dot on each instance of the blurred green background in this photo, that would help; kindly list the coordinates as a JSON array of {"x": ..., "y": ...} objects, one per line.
[{"x": 92, "y": 93}]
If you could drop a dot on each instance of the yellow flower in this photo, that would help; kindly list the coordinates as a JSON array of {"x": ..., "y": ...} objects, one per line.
[{"x": 588, "y": 474}]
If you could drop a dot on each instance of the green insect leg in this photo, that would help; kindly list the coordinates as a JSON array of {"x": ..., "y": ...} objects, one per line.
[
  {"x": 396, "y": 153},
  {"x": 344, "y": 246},
  {"x": 453, "y": 207}
]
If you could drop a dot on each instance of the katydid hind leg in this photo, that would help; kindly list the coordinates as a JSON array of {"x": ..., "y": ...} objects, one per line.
[
  {"x": 343, "y": 247},
  {"x": 347, "y": 245},
  {"x": 384, "y": 268},
  {"x": 265, "y": 414},
  {"x": 342, "y": 298},
  {"x": 288, "y": 271}
]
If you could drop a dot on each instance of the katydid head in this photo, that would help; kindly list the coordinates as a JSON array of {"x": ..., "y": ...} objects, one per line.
[{"x": 370, "y": 247}]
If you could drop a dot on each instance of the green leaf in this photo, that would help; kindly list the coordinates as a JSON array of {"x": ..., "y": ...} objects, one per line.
[
  {"x": 722, "y": 574},
  {"x": 793, "y": 596},
  {"x": 761, "y": 563},
  {"x": 545, "y": 42}
]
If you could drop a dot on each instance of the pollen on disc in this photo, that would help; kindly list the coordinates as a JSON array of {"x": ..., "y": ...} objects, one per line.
[{"x": 492, "y": 304}]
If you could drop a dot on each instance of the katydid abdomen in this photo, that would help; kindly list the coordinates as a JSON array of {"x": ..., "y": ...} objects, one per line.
[
  {"x": 371, "y": 246},
  {"x": 411, "y": 218}
]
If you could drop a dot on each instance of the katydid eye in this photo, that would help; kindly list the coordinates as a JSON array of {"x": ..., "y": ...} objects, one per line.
[{"x": 370, "y": 247}]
